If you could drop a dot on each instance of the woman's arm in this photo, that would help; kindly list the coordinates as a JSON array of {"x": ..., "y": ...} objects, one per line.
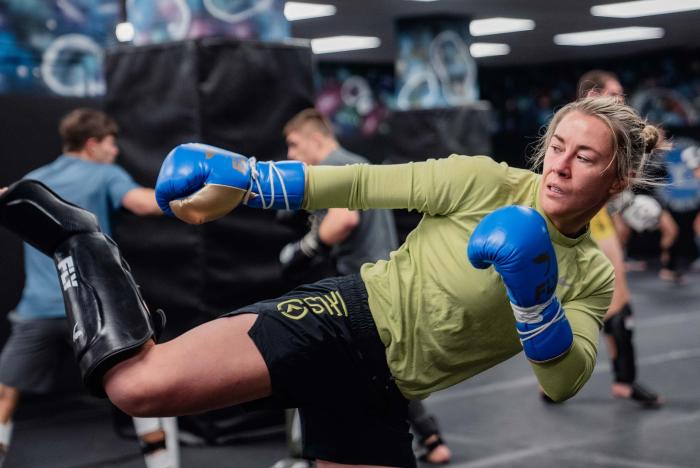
[
  {"x": 563, "y": 378},
  {"x": 435, "y": 186}
]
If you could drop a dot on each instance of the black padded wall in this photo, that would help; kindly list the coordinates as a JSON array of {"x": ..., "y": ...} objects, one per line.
[
  {"x": 436, "y": 133},
  {"x": 416, "y": 135},
  {"x": 236, "y": 95}
]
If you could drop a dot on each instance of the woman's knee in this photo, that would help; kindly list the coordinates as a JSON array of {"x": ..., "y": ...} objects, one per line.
[{"x": 135, "y": 387}]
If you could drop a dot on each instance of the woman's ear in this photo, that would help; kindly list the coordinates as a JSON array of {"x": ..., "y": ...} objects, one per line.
[{"x": 618, "y": 186}]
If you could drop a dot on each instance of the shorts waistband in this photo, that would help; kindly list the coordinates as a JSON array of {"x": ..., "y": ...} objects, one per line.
[{"x": 361, "y": 321}]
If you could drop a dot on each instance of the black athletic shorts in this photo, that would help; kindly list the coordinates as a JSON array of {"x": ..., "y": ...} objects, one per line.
[{"x": 324, "y": 356}]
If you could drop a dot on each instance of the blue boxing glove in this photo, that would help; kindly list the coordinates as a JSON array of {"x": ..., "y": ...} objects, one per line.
[
  {"x": 200, "y": 183},
  {"x": 514, "y": 239}
]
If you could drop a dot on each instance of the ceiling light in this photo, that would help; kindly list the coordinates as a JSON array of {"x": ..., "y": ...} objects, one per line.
[
  {"x": 327, "y": 45},
  {"x": 607, "y": 36},
  {"x": 124, "y": 32},
  {"x": 488, "y": 49},
  {"x": 644, "y": 8},
  {"x": 498, "y": 25},
  {"x": 298, "y": 10}
]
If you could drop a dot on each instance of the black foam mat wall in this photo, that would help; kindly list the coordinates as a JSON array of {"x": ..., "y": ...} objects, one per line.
[
  {"x": 436, "y": 133},
  {"x": 236, "y": 95},
  {"x": 416, "y": 135},
  {"x": 227, "y": 93}
]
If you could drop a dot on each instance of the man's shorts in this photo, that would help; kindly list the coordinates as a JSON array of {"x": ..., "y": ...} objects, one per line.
[
  {"x": 325, "y": 357},
  {"x": 30, "y": 360}
]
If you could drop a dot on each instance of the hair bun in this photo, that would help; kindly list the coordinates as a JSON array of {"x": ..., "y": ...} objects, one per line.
[{"x": 651, "y": 136}]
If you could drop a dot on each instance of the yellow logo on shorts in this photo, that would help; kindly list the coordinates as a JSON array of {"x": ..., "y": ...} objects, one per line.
[{"x": 298, "y": 308}]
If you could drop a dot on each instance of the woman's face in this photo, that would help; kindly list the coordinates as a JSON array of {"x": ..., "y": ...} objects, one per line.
[{"x": 579, "y": 175}]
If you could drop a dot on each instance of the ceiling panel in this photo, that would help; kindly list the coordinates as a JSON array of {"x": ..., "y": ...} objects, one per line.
[{"x": 377, "y": 17}]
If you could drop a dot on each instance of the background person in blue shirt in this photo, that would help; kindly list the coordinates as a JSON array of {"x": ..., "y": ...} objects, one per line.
[{"x": 85, "y": 174}]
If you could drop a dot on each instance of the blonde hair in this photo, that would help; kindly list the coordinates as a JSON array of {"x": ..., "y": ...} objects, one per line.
[{"x": 634, "y": 140}]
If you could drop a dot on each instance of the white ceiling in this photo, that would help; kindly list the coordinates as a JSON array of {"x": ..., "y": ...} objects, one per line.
[{"x": 376, "y": 18}]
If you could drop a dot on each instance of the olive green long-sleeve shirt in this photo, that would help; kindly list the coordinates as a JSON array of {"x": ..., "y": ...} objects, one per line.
[{"x": 440, "y": 319}]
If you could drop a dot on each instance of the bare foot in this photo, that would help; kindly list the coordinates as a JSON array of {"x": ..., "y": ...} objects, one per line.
[
  {"x": 672, "y": 276},
  {"x": 438, "y": 454},
  {"x": 637, "y": 392}
]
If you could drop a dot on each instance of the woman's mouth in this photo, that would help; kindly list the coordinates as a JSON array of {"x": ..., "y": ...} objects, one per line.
[{"x": 555, "y": 189}]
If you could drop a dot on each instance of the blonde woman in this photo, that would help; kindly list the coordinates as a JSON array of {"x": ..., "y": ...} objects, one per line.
[{"x": 351, "y": 351}]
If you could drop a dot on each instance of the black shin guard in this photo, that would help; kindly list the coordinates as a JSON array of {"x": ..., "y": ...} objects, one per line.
[
  {"x": 41, "y": 218},
  {"x": 109, "y": 318},
  {"x": 619, "y": 326}
]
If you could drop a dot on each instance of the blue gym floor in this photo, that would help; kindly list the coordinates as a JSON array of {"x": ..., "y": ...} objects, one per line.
[{"x": 493, "y": 420}]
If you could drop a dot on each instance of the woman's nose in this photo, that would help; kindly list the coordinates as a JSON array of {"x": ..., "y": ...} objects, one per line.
[{"x": 562, "y": 166}]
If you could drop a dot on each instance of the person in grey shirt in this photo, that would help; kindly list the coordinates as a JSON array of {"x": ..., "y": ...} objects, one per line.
[{"x": 351, "y": 238}]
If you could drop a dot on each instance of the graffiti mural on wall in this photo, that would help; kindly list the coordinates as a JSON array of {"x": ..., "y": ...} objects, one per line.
[
  {"x": 170, "y": 20},
  {"x": 664, "y": 87},
  {"x": 356, "y": 98},
  {"x": 55, "y": 47},
  {"x": 666, "y": 106},
  {"x": 434, "y": 67}
]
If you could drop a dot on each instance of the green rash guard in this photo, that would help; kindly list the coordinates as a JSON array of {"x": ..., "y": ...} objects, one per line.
[{"x": 440, "y": 319}]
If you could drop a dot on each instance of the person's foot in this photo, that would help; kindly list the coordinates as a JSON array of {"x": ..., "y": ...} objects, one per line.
[
  {"x": 635, "y": 265},
  {"x": 638, "y": 393},
  {"x": 435, "y": 451},
  {"x": 666, "y": 274},
  {"x": 672, "y": 276},
  {"x": 292, "y": 463}
]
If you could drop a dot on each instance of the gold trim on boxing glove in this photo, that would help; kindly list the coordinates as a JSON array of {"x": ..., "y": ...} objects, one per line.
[{"x": 208, "y": 203}]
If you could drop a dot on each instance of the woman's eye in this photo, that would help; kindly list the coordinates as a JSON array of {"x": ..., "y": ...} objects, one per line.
[{"x": 584, "y": 158}]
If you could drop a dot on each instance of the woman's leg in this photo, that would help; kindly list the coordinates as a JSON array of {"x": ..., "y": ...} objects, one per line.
[
  {"x": 211, "y": 366},
  {"x": 112, "y": 330}
]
